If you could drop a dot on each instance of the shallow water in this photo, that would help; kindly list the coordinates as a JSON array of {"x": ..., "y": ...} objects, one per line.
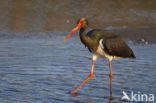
[{"x": 40, "y": 68}]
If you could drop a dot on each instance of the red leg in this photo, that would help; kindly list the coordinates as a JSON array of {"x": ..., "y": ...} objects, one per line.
[
  {"x": 110, "y": 75},
  {"x": 90, "y": 76}
]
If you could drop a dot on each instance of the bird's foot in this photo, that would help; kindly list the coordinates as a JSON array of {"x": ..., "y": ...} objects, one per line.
[{"x": 73, "y": 94}]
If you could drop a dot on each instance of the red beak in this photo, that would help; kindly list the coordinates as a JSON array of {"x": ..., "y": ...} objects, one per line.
[{"x": 75, "y": 29}]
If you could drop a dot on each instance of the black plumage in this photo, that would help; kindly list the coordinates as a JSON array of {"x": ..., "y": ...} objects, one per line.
[
  {"x": 116, "y": 46},
  {"x": 113, "y": 44}
]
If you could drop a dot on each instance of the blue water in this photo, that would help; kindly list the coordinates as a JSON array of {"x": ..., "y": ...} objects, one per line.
[{"x": 40, "y": 68}]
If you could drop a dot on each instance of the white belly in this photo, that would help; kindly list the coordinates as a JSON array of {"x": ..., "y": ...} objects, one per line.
[{"x": 101, "y": 53}]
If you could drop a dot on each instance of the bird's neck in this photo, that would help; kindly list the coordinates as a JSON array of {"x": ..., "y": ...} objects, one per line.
[
  {"x": 83, "y": 32},
  {"x": 87, "y": 40},
  {"x": 84, "y": 37}
]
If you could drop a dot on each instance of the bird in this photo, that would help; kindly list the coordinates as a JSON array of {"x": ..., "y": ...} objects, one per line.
[{"x": 102, "y": 43}]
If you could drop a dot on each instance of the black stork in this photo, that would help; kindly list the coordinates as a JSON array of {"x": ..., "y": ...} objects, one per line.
[{"x": 101, "y": 43}]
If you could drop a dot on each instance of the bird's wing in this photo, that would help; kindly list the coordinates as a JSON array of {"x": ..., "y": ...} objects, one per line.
[{"x": 116, "y": 46}]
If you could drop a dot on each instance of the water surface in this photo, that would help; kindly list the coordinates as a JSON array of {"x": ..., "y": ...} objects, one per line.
[{"x": 40, "y": 68}]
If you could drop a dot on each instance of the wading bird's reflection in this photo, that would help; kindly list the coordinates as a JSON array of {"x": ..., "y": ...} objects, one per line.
[
  {"x": 110, "y": 98},
  {"x": 109, "y": 101}
]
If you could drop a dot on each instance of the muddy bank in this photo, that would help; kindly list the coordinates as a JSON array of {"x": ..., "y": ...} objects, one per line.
[
  {"x": 61, "y": 16},
  {"x": 134, "y": 20},
  {"x": 138, "y": 35}
]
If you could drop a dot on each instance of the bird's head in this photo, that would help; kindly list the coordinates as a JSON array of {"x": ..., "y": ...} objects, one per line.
[
  {"x": 80, "y": 23},
  {"x": 85, "y": 22}
]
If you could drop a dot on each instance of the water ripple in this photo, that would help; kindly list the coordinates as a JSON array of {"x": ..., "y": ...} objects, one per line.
[{"x": 44, "y": 70}]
